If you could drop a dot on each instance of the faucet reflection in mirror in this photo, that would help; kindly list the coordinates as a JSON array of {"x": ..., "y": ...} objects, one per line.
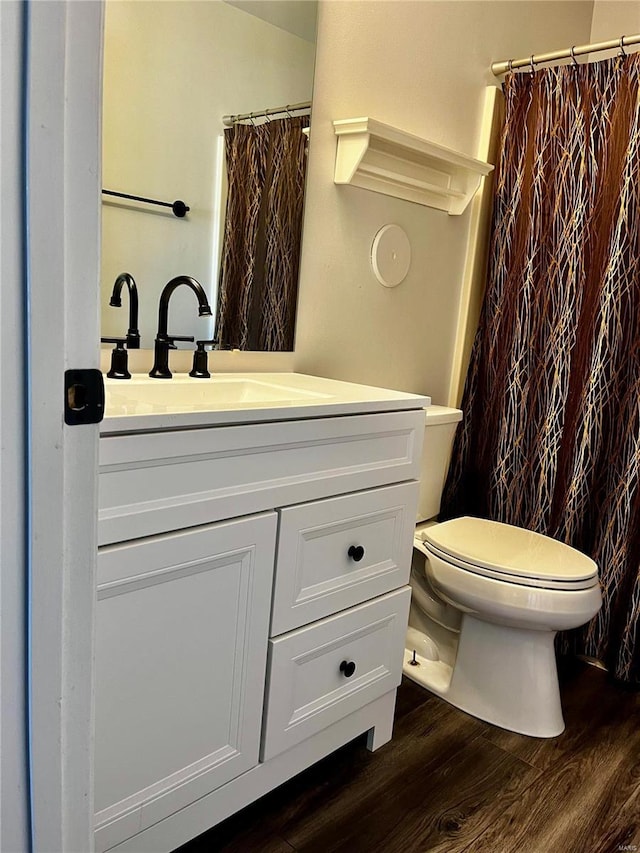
[
  {"x": 133, "y": 334},
  {"x": 257, "y": 295}
]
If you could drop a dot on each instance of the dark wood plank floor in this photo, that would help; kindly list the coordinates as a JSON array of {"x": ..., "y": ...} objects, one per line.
[{"x": 450, "y": 783}]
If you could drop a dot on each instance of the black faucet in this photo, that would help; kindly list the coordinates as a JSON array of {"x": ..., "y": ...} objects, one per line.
[
  {"x": 133, "y": 335},
  {"x": 165, "y": 341}
]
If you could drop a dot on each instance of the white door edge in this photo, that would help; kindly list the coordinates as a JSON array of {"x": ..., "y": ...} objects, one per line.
[{"x": 63, "y": 169}]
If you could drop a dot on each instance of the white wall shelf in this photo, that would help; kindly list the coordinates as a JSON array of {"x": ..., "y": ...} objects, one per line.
[{"x": 377, "y": 157}]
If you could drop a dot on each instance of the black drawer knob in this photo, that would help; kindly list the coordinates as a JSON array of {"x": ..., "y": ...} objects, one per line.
[
  {"x": 356, "y": 552},
  {"x": 347, "y": 668}
]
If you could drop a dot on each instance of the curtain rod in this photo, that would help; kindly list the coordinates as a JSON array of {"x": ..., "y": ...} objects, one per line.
[
  {"x": 505, "y": 65},
  {"x": 228, "y": 121}
]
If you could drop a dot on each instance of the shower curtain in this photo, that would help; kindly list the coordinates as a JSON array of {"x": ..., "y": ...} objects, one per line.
[
  {"x": 257, "y": 294},
  {"x": 550, "y": 438}
]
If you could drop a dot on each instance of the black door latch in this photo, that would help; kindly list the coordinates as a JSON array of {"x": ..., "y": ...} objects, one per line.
[{"x": 83, "y": 397}]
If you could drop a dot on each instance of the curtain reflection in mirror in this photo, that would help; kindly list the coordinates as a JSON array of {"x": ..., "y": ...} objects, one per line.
[{"x": 258, "y": 287}]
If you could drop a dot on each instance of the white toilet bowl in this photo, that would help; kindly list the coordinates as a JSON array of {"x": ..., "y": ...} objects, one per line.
[{"x": 485, "y": 611}]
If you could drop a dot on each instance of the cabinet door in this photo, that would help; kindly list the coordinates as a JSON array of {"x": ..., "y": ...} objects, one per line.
[{"x": 181, "y": 642}]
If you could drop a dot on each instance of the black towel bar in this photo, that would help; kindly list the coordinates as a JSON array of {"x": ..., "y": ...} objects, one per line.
[{"x": 178, "y": 207}]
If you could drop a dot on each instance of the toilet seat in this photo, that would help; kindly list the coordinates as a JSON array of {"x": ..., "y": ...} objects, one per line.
[{"x": 510, "y": 554}]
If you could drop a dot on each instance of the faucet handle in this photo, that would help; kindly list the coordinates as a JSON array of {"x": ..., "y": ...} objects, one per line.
[
  {"x": 119, "y": 366},
  {"x": 171, "y": 340},
  {"x": 200, "y": 368}
]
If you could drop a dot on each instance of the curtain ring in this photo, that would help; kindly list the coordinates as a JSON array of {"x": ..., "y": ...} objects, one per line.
[
  {"x": 621, "y": 46},
  {"x": 532, "y": 65},
  {"x": 574, "y": 61},
  {"x": 510, "y": 65}
]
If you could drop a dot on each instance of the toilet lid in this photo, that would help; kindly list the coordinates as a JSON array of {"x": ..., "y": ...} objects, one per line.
[{"x": 510, "y": 551}]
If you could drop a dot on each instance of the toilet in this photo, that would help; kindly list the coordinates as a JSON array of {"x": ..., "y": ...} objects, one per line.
[{"x": 487, "y": 601}]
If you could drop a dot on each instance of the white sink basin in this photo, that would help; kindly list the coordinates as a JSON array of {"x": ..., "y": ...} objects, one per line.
[
  {"x": 140, "y": 404},
  {"x": 146, "y": 396}
]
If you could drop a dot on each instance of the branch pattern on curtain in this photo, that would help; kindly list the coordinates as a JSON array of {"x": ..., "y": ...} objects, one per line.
[
  {"x": 550, "y": 439},
  {"x": 257, "y": 295}
]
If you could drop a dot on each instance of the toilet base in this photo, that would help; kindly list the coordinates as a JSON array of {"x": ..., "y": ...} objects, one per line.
[{"x": 505, "y": 676}]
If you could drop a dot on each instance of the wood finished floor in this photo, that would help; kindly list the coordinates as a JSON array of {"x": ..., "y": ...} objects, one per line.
[{"x": 450, "y": 783}]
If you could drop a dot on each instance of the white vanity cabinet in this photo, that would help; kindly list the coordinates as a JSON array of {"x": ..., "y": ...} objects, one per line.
[{"x": 252, "y": 604}]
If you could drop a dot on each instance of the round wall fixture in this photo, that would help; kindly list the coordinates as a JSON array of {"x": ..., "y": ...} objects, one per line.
[{"x": 390, "y": 255}]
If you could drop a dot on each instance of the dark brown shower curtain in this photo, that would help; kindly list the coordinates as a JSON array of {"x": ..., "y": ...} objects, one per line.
[
  {"x": 257, "y": 294},
  {"x": 551, "y": 433}
]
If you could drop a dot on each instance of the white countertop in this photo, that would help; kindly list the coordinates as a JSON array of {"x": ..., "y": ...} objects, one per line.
[{"x": 142, "y": 404}]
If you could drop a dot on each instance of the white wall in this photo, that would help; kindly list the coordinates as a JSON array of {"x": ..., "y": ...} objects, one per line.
[
  {"x": 171, "y": 71},
  {"x": 421, "y": 66},
  {"x": 613, "y": 18},
  {"x": 295, "y": 16}
]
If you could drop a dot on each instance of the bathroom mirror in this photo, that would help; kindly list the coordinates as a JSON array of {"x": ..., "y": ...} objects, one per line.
[{"x": 172, "y": 70}]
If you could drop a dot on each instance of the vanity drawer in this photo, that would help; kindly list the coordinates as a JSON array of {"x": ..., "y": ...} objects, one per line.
[
  {"x": 151, "y": 483},
  {"x": 306, "y": 688},
  {"x": 338, "y": 552}
]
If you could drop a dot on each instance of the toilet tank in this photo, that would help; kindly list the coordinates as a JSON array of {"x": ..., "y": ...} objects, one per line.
[{"x": 440, "y": 429}]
